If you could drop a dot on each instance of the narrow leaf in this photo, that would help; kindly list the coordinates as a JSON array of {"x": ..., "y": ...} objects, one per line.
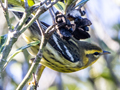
[
  {"x": 81, "y": 3},
  {"x": 60, "y": 6},
  {"x": 17, "y": 9},
  {"x": 30, "y": 2},
  {"x": 34, "y": 43},
  {"x": 14, "y": 2}
]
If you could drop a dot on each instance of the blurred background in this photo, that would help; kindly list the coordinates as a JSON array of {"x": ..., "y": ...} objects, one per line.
[{"x": 103, "y": 75}]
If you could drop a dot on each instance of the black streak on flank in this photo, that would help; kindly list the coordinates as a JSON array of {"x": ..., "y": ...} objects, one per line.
[
  {"x": 48, "y": 52},
  {"x": 50, "y": 63}
]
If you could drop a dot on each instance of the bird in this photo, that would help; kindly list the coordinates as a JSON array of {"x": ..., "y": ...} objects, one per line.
[{"x": 63, "y": 55}]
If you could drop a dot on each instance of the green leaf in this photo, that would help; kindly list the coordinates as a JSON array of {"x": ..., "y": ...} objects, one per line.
[
  {"x": 17, "y": 9},
  {"x": 2, "y": 41},
  {"x": 30, "y": 2},
  {"x": 34, "y": 43},
  {"x": 60, "y": 6},
  {"x": 69, "y": 5},
  {"x": 20, "y": 2},
  {"x": 14, "y": 2},
  {"x": 69, "y": 2},
  {"x": 81, "y": 3}
]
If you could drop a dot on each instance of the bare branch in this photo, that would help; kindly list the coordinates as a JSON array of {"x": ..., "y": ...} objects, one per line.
[
  {"x": 26, "y": 5},
  {"x": 51, "y": 11},
  {"x": 40, "y": 27},
  {"x": 43, "y": 2},
  {"x": 2, "y": 5},
  {"x": 35, "y": 81},
  {"x": 14, "y": 34},
  {"x": 38, "y": 13},
  {"x": 51, "y": 4},
  {"x": 5, "y": 9}
]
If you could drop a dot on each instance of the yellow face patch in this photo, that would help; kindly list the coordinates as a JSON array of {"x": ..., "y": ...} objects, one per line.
[{"x": 92, "y": 51}]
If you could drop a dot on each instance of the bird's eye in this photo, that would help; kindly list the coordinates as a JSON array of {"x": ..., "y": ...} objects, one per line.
[{"x": 96, "y": 53}]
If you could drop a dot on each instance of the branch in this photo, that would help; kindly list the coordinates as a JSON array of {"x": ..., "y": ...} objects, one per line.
[
  {"x": 41, "y": 10},
  {"x": 38, "y": 13},
  {"x": 12, "y": 38},
  {"x": 43, "y": 2},
  {"x": 51, "y": 4},
  {"x": 38, "y": 58},
  {"x": 5, "y": 10},
  {"x": 34, "y": 43},
  {"x": 14, "y": 34},
  {"x": 34, "y": 83},
  {"x": 40, "y": 27},
  {"x": 39, "y": 72},
  {"x": 51, "y": 11},
  {"x": 26, "y": 5}
]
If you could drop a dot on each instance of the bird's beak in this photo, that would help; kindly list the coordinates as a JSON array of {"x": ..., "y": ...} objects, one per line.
[{"x": 106, "y": 52}]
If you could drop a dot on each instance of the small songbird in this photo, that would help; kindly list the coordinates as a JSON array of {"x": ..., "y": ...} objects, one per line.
[{"x": 63, "y": 55}]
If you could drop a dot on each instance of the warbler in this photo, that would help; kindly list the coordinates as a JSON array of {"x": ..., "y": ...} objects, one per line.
[{"x": 63, "y": 55}]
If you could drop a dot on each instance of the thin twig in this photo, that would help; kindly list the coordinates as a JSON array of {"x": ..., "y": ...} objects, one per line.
[
  {"x": 5, "y": 9},
  {"x": 40, "y": 69},
  {"x": 43, "y": 2},
  {"x": 34, "y": 82},
  {"x": 9, "y": 43},
  {"x": 38, "y": 13},
  {"x": 51, "y": 12},
  {"x": 33, "y": 66},
  {"x": 51, "y": 4},
  {"x": 22, "y": 21},
  {"x": 26, "y": 5},
  {"x": 36, "y": 61},
  {"x": 39, "y": 72},
  {"x": 40, "y": 27},
  {"x": 2, "y": 5},
  {"x": 52, "y": 15},
  {"x": 50, "y": 27},
  {"x": 12, "y": 38}
]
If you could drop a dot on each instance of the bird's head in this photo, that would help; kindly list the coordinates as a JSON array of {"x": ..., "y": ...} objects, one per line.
[{"x": 91, "y": 53}]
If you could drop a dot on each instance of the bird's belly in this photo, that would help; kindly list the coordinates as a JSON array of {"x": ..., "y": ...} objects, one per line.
[{"x": 56, "y": 61}]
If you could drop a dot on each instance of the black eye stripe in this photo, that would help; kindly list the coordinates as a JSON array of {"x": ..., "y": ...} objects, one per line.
[{"x": 96, "y": 53}]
